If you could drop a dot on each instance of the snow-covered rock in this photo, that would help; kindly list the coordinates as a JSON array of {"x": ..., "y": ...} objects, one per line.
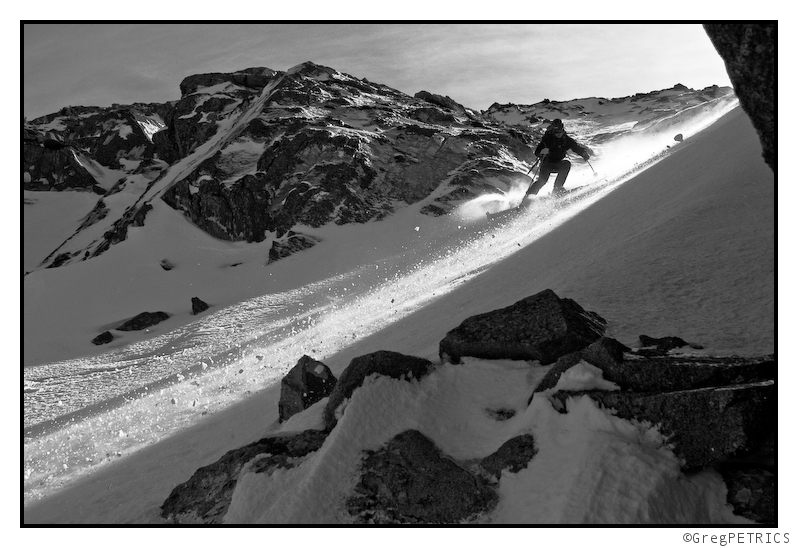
[
  {"x": 383, "y": 362},
  {"x": 206, "y": 496}
]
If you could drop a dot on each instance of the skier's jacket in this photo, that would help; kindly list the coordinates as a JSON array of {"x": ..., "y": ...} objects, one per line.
[{"x": 558, "y": 146}]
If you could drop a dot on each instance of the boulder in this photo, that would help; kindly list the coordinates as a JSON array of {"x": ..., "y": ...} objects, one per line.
[
  {"x": 383, "y": 362},
  {"x": 409, "y": 481},
  {"x": 198, "y": 305},
  {"x": 703, "y": 425},
  {"x": 205, "y": 497},
  {"x": 678, "y": 138},
  {"x": 541, "y": 327},
  {"x": 749, "y": 52},
  {"x": 308, "y": 382},
  {"x": 513, "y": 455},
  {"x": 143, "y": 321},
  {"x": 103, "y": 338}
]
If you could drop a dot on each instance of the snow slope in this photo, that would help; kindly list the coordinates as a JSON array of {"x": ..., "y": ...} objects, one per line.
[{"x": 685, "y": 248}]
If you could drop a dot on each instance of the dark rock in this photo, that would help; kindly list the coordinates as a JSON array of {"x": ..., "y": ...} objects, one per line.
[
  {"x": 198, "y": 305},
  {"x": 53, "y": 169},
  {"x": 290, "y": 244},
  {"x": 440, "y": 100},
  {"x": 670, "y": 373},
  {"x": 702, "y": 425},
  {"x": 133, "y": 216},
  {"x": 501, "y": 414},
  {"x": 166, "y": 265},
  {"x": 749, "y": 52},
  {"x": 409, "y": 481},
  {"x": 679, "y": 138},
  {"x": 513, "y": 455},
  {"x": 541, "y": 327},
  {"x": 751, "y": 492},
  {"x": 206, "y": 496},
  {"x": 432, "y": 116},
  {"x": 256, "y": 77},
  {"x": 662, "y": 373},
  {"x": 663, "y": 344},
  {"x": 383, "y": 362},
  {"x": 143, "y": 321},
  {"x": 53, "y": 144},
  {"x": 308, "y": 382},
  {"x": 103, "y": 338},
  {"x": 605, "y": 353}
]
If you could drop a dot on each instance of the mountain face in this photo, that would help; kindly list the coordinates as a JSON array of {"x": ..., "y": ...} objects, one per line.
[{"x": 256, "y": 154}]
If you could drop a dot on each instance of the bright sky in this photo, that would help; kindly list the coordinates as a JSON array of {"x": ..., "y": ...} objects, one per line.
[{"x": 474, "y": 64}]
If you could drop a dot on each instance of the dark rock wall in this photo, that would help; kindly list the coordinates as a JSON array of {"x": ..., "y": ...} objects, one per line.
[{"x": 749, "y": 52}]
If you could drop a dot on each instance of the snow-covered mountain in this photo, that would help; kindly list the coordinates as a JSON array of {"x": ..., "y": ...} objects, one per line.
[
  {"x": 268, "y": 158},
  {"x": 656, "y": 252},
  {"x": 249, "y": 156}
]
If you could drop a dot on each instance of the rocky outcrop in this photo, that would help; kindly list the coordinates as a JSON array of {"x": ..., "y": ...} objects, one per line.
[
  {"x": 541, "y": 327},
  {"x": 306, "y": 383},
  {"x": 143, "y": 321},
  {"x": 642, "y": 373},
  {"x": 409, "y": 481},
  {"x": 45, "y": 168},
  {"x": 440, "y": 100},
  {"x": 701, "y": 425},
  {"x": 749, "y": 52},
  {"x": 255, "y": 78},
  {"x": 290, "y": 244},
  {"x": 206, "y": 496},
  {"x": 108, "y": 136},
  {"x": 390, "y": 364}
]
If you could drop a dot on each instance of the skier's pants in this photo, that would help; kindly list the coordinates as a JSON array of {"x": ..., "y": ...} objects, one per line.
[{"x": 561, "y": 168}]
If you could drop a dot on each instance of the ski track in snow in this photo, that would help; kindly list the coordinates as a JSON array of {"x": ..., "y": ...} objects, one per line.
[{"x": 83, "y": 413}]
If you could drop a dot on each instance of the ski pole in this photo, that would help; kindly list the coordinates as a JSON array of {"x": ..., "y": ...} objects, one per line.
[
  {"x": 533, "y": 177},
  {"x": 591, "y": 167},
  {"x": 533, "y": 166}
]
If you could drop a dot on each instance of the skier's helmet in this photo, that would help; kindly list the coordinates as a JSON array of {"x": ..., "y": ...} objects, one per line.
[{"x": 556, "y": 125}]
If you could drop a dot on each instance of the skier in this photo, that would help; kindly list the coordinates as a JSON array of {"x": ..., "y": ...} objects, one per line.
[{"x": 551, "y": 150}]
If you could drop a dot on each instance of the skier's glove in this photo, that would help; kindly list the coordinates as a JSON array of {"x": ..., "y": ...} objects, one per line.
[
  {"x": 585, "y": 156},
  {"x": 543, "y": 152}
]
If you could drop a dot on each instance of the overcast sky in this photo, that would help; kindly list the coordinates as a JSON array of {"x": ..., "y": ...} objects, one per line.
[{"x": 474, "y": 64}]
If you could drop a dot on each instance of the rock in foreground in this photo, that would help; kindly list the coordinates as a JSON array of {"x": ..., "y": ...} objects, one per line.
[{"x": 541, "y": 327}]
